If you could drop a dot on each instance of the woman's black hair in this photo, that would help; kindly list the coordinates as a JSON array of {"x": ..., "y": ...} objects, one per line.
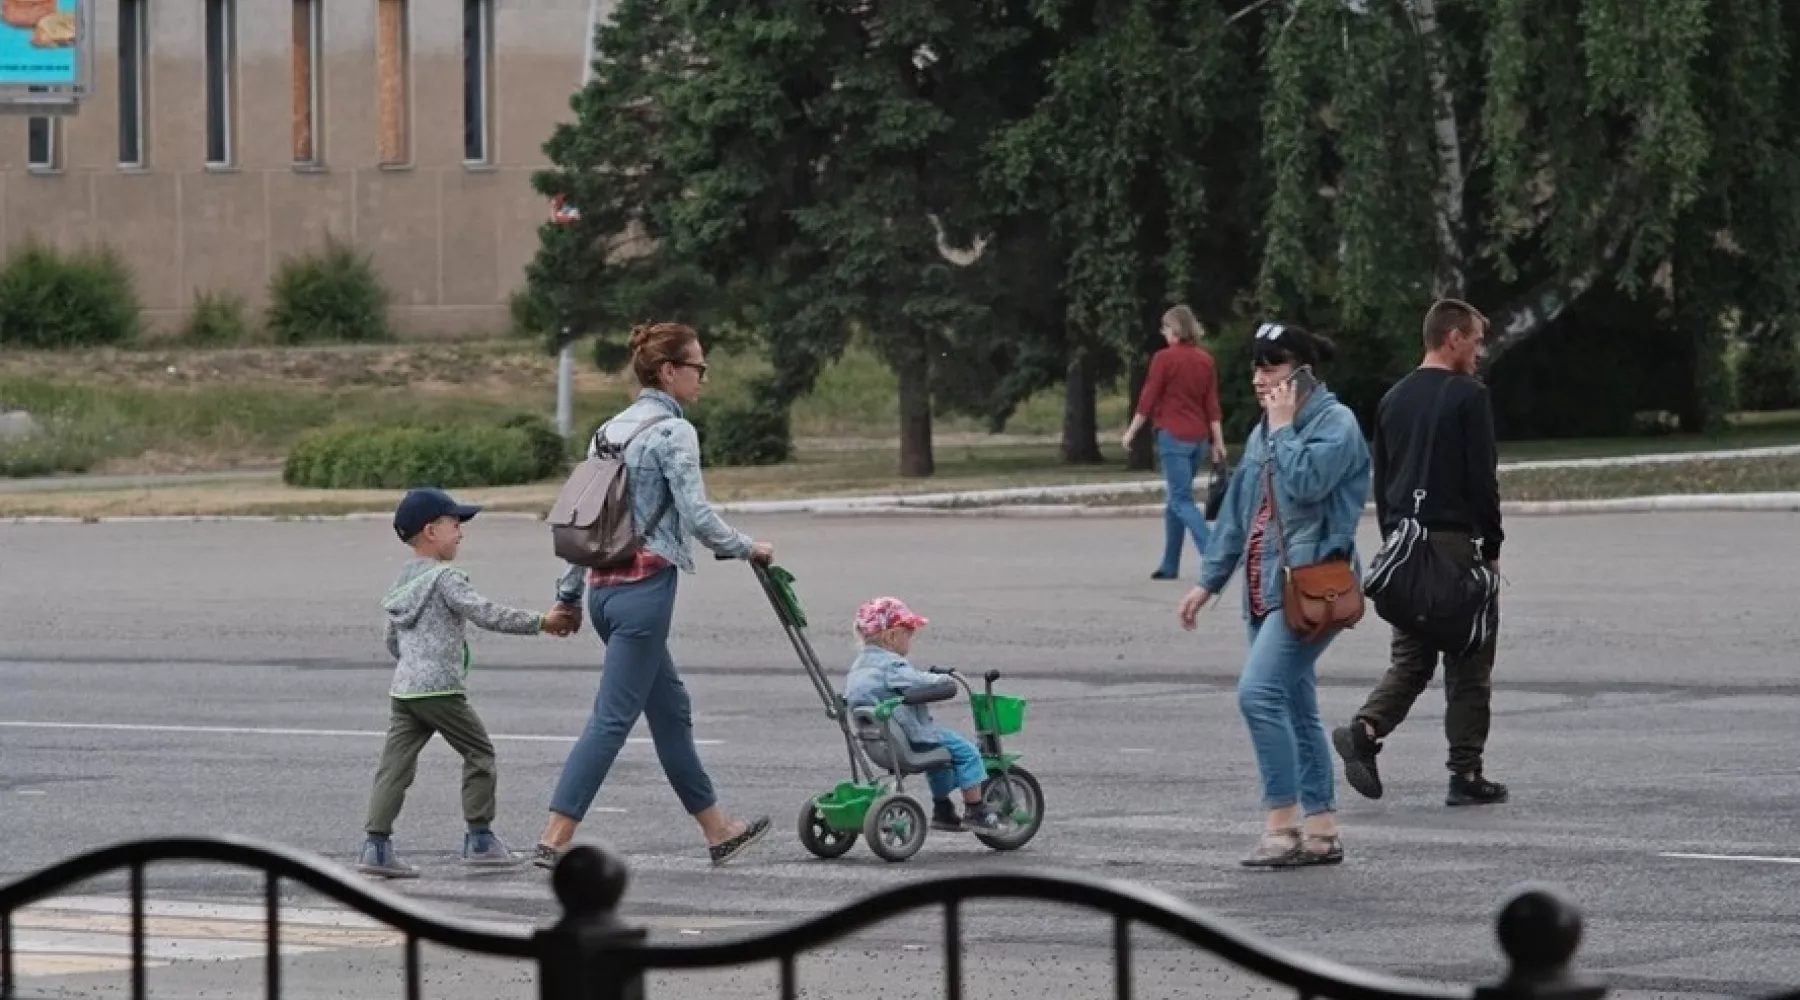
[{"x": 1282, "y": 343}]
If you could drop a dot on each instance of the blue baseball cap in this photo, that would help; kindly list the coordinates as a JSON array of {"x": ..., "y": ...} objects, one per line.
[{"x": 420, "y": 507}]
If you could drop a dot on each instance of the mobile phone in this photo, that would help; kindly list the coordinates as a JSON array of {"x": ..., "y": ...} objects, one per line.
[{"x": 1303, "y": 380}]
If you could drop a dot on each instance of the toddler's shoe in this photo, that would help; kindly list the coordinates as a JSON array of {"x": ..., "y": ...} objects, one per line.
[
  {"x": 944, "y": 817},
  {"x": 485, "y": 849},
  {"x": 981, "y": 819},
  {"x": 378, "y": 858}
]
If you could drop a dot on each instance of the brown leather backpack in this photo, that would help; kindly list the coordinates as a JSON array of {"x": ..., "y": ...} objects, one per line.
[{"x": 592, "y": 523}]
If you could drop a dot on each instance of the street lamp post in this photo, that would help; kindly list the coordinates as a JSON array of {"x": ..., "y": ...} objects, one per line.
[{"x": 565, "y": 362}]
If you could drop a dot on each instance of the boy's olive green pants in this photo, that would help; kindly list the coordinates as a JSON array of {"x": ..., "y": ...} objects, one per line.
[{"x": 410, "y": 727}]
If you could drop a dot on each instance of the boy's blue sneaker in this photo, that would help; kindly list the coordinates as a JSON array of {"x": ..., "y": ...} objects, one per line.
[
  {"x": 484, "y": 849},
  {"x": 378, "y": 858}
]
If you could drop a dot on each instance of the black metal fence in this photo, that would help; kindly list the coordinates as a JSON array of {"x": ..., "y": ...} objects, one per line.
[{"x": 591, "y": 953}]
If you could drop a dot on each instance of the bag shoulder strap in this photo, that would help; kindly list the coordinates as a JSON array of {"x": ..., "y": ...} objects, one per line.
[
  {"x": 1275, "y": 509},
  {"x": 1437, "y": 407},
  {"x": 600, "y": 443}
]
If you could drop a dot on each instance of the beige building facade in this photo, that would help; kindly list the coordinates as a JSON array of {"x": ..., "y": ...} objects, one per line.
[{"x": 224, "y": 135}]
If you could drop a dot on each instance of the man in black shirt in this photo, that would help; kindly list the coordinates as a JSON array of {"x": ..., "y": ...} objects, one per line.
[{"x": 1462, "y": 512}]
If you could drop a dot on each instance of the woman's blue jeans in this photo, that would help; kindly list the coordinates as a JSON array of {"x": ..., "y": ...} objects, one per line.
[
  {"x": 1279, "y": 696},
  {"x": 1181, "y": 461},
  {"x": 638, "y": 678}
]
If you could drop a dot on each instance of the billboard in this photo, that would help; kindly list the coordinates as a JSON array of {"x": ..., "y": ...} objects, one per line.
[{"x": 44, "y": 46}]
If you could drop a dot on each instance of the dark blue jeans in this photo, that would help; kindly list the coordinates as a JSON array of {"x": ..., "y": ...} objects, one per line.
[
  {"x": 1181, "y": 461},
  {"x": 638, "y": 678}
]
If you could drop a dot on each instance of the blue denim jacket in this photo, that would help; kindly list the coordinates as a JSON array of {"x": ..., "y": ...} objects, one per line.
[
  {"x": 663, "y": 460},
  {"x": 879, "y": 674},
  {"x": 1321, "y": 464}
]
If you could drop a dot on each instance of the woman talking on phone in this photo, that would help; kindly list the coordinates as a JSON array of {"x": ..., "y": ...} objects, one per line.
[{"x": 1295, "y": 501}]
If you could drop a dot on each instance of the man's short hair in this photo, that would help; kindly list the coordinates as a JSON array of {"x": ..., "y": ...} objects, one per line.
[{"x": 1446, "y": 316}]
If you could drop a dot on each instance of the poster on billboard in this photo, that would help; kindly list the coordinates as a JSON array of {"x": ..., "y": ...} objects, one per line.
[{"x": 44, "y": 49}]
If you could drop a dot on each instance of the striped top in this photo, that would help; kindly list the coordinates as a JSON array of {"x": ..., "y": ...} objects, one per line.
[{"x": 1253, "y": 561}]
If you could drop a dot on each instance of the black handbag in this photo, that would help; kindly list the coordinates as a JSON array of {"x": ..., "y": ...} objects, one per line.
[
  {"x": 1216, "y": 489},
  {"x": 1418, "y": 591}
]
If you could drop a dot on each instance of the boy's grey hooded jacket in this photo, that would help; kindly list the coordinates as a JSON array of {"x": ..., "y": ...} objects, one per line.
[{"x": 426, "y": 611}]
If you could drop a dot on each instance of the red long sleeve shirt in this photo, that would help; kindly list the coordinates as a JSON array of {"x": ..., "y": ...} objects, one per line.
[{"x": 1181, "y": 394}]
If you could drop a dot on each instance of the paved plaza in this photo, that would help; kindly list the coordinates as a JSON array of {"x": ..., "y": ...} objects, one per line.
[{"x": 228, "y": 678}]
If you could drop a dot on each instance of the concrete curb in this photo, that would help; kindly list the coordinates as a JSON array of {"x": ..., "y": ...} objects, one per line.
[
  {"x": 1022, "y": 495},
  {"x": 1017, "y": 501},
  {"x": 1671, "y": 503}
]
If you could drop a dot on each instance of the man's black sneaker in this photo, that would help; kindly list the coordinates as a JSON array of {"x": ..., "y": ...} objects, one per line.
[
  {"x": 1358, "y": 749},
  {"x": 1474, "y": 791}
]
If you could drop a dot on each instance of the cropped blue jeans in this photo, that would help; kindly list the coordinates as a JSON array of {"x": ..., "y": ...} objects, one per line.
[{"x": 1278, "y": 694}]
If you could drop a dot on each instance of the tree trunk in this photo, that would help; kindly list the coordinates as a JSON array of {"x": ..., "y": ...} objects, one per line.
[
  {"x": 1142, "y": 456},
  {"x": 1449, "y": 193},
  {"x": 1081, "y": 421},
  {"x": 1525, "y": 316},
  {"x": 915, "y": 417}
]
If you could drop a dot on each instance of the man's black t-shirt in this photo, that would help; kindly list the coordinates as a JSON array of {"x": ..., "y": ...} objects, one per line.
[{"x": 1464, "y": 491}]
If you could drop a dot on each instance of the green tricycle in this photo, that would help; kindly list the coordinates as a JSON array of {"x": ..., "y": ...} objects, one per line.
[{"x": 876, "y": 805}]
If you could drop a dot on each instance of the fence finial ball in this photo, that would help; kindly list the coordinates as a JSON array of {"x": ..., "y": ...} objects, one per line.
[
  {"x": 1539, "y": 929},
  {"x": 589, "y": 880}
]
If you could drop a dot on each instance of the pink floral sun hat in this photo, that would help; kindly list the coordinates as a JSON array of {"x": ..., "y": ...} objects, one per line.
[{"x": 883, "y": 613}]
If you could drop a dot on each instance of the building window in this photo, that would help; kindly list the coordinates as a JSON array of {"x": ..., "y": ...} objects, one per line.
[
  {"x": 391, "y": 57},
  {"x": 306, "y": 81},
  {"x": 40, "y": 143},
  {"x": 478, "y": 49},
  {"x": 133, "y": 54},
  {"x": 220, "y": 79}
]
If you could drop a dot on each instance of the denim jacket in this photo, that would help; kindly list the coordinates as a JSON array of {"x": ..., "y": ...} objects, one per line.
[
  {"x": 1321, "y": 464},
  {"x": 664, "y": 460},
  {"x": 878, "y": 675}
]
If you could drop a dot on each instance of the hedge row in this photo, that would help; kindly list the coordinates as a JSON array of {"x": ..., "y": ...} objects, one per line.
[
  {"x": 55, "y": 299},
  {"x": 522, "y": 450}
]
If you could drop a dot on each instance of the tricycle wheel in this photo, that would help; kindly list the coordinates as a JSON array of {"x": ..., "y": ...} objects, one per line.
[
  {"x": 819, "y": 837},
  {"x": 895, "y": 827},
  {"x": 1016, "y": 797}
]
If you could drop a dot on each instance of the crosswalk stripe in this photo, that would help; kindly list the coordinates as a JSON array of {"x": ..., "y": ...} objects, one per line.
[{"x": 75, "y": 935}]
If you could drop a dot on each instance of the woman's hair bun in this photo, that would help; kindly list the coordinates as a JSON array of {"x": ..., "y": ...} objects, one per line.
[
  {"x": 640, "y": 335},
  {"x": 1324, "y": 348}
]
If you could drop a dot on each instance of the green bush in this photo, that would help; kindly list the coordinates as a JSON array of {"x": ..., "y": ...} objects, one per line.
[
  {"x": 1768, "y": 373},
  {"x": 755, "y": 433},
  {"x": 402, "y": 457},
  {"x": 549, "y": 451},
  {"x": 217, "y": 320},
  {"x": 333, "y": 295},
  {"x": 51, "y": 300},
  {"x": 45, "y": 455}
]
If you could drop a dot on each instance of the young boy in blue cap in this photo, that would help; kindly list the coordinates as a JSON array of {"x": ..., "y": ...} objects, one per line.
[{"x": 427, "y": 609}]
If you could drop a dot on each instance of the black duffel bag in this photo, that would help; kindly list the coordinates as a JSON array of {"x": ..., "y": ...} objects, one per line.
[{"x": 1417, "y": 590}]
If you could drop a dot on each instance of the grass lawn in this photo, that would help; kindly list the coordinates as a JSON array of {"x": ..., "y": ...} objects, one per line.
[
  {"x": 851, "y": 473},
  {"x": 174, "y": 410},
  {"x": 827, "y": 472},
  {"x": 1745, "y": 475},
  {"x": 160, "y": 410}
]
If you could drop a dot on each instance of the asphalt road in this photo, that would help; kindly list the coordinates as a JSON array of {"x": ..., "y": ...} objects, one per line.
[{"x": 161, "y": 678}]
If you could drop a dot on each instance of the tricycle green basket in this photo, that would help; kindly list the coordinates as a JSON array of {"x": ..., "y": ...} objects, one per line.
[
  {"x": 998, "y": 713},
  {"x": 845, "y": 806}
]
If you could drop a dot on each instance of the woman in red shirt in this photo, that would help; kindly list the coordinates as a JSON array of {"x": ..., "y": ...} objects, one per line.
[{"x": 1181, "y": 397}]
